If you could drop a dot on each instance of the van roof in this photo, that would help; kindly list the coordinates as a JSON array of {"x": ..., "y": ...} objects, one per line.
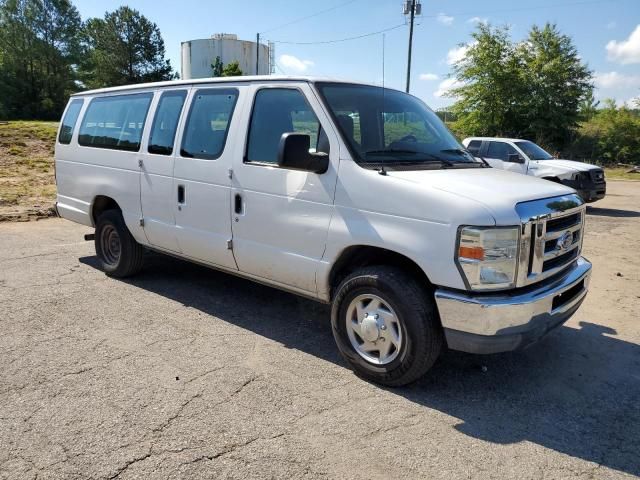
[{"x": 242, "y": 79}]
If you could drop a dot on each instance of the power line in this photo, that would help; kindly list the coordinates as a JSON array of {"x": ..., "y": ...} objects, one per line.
[
  {"x": 343, "y": 39},
  {"x": 326, "y": 10},
  {"x": 535, "y": 7},
  {"x": 538, "y": 7}
]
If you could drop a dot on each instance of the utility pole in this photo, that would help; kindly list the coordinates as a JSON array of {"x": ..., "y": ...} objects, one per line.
[
  {"x": 413, "y": 8},
  {"x": 257, "y": 52}
]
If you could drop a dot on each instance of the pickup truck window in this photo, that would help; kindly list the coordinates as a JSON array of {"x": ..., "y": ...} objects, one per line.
[
  {"x": 533, "y": 151},
  {"x": 208, "y": 123},
  {"x": 500, "y": 151},
  {"x": 165, "y": 123},
  {"x": 474, "y": 146},
  {"x": 115, "y": 122},
  {"x": 69, "y": 121},
  {"x": 277, "y": 111},
  {"x": 391, "y": 128}
]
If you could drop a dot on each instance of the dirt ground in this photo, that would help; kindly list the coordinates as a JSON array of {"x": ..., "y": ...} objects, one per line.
[
  {"x": 27, "y": 183},
  {"x": 184, "y": 372}
]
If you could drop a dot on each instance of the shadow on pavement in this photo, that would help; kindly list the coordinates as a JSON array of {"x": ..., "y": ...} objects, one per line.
[
  {"x": 612, "y": 212},
  {"x": 576, "y": 392}
]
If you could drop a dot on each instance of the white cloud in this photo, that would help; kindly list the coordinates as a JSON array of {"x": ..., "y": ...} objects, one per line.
[
  {"x": 616, "y": 80},
  {"x": 444, "y": 19},
  {"x": 458, "y": 53},
  {"x": 294, "y": 63},
  {"x": 633, "y": 102},
  {"x": 483, "y": 20},
  {"x": 428, "y": 76},
  {"x": 626, "y": 51},
  {"x": 447, "y": 85}
]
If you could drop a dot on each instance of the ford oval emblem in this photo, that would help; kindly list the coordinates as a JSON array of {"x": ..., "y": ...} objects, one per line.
[{"x": 565, "y": 241}]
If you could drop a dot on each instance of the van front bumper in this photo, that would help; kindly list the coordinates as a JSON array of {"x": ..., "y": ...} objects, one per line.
[{"x": 500, "y": 322}]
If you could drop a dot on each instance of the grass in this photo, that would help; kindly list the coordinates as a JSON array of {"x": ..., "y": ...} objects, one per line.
[
  {"x": 620, "y": 174},
  {"x": 27, "y": 184}
]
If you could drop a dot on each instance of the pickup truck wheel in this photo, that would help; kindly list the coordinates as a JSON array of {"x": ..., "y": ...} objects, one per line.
[
  {"x": 119, "y": 254},
  {"x": 386, "y": 326}
]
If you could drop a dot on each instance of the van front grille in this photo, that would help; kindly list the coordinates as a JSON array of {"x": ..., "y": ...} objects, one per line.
[{"x": 551, "y": 237}]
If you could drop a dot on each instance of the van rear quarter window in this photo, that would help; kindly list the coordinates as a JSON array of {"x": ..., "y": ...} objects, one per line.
[
  {"x": 115, "y": 122},
  {"x": 69, "y": 121},
  {"x": 208, "y": 123}
]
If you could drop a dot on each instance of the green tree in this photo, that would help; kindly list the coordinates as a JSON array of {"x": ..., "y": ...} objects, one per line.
[
  {"x": 123, "y": 48},
  {"x": 216, "y": 67},
  {"x": 491, "y": 84},
  {"x": 557, "y": 82},
  {"x": 39, "y": 48},
  {"x": 232, "y": 70},
  {"x": 531, "y": 89}
]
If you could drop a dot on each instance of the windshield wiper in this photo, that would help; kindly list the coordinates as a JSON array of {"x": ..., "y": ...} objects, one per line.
[{"x": 463, "y": 152}]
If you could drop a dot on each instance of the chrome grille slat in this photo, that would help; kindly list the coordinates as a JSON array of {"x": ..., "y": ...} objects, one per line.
[
  {"x": 551, "y": 232},
  {"x": 559, "y": 233}
]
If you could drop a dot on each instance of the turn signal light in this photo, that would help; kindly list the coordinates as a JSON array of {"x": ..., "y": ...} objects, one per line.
[{"x": 472, "y": 253}]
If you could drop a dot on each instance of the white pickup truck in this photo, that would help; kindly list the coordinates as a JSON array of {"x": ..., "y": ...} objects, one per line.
[
  {"x": 347, "y": 193},
  {"x": 523, "y": 156}
]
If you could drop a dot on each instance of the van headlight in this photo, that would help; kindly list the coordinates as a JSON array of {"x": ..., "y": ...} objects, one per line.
[{"x": 488, "y": 256}]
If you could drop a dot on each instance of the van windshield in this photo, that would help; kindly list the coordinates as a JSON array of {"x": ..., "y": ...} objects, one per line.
[
  {"x": 393, "y": 129},
  {"x": 533, "y": 151}
]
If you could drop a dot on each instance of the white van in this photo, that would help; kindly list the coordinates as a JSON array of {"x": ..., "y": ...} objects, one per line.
[
  {"x": 524, "y": 156},
  {"x": 342, "y": 192}
]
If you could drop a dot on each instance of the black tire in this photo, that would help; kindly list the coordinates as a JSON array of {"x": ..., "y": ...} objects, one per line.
[
  {"x": 119, "y": 254},
  {"x": 423, "y": 338}
]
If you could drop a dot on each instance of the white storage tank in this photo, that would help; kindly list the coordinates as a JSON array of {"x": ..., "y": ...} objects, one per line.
[{"x": 197, "y": 56}]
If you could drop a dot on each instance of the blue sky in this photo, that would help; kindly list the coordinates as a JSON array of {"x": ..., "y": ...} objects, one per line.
[{"x": 606, "y": 33}]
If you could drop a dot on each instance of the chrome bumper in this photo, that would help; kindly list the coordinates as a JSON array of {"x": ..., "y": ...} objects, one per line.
[{"x": 492, "y": 323}]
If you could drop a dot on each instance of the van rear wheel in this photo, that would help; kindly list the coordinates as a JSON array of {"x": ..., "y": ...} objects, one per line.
[
  {"x": 119, "y": 254},
  {"x": 386, "y": 326}
]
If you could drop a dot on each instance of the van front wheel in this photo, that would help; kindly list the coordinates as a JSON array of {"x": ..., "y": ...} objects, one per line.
[
  {"x": 386, "y": 325},
  {"x": 119, "y": 254}
]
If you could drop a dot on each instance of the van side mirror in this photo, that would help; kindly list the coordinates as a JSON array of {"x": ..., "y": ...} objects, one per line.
[
  {"x": 515, "y": 158},
  {"x": 293, "y": 153}
]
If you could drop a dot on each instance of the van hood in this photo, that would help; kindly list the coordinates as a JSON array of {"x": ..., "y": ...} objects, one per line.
[{"x": 498, "y": 191}]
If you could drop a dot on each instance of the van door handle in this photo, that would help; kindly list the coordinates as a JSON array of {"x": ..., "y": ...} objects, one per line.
[
  {"x": 180, "y": 193},
  {"x": 238, "y": 204}
]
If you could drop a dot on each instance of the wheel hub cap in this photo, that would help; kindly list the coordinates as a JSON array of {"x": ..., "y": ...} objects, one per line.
[{"x": 374, "y": 329}]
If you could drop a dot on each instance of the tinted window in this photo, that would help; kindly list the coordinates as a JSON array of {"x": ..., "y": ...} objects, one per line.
[
  {"x": 165, "y": 123},
  {"x": 500, "y": 150},
  {"x": 115, "y": 122},
  {"x": 69, "y": 121},
  {"x": 474, "y": 146},
  {"x": 533, "y": 151},
  {"x": 208, "y": 123},
  {"x": 277, "y": 111}
]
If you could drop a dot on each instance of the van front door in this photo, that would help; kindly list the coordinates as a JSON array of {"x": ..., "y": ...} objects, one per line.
[
  {"x": 280, "y": 216},
  {"x": 201, "y": 185},
  {"x": 156, "y": 167}
]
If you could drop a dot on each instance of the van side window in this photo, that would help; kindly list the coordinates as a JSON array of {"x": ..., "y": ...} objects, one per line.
[
  {"x": 277, "y": 111},
  {"x": 165, "y": 123},
  {"x": 500, "y": 150},
  {"x": 208, "y": 123},
  {"x": 69, "y": 121},
  {"x": 115, "y": 122},
  {"x": 474, "y": 146}
]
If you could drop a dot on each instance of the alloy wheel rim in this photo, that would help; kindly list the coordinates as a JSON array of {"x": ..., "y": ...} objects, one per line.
[{"x": 374, "y": 329}]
